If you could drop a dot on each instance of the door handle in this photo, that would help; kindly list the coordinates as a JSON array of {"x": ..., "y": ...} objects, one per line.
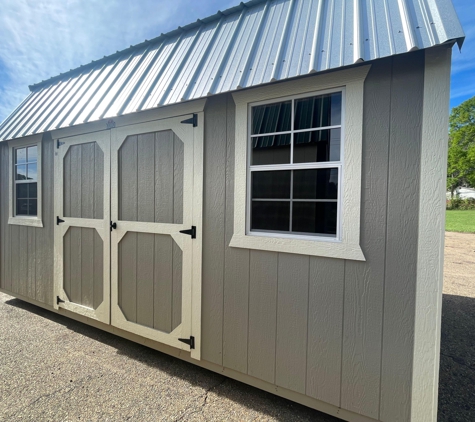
[{"x": 113, "y": 225}]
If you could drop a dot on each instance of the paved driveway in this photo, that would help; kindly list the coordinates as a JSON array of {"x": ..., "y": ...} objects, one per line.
[{"x": 53, "y": 368}]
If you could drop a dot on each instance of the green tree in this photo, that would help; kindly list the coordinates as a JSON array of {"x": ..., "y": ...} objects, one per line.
[{"x": 461, "y": 159}]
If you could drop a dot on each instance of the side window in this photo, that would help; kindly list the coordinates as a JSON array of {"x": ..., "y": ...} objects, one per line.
[
  {"x": 295, "y": 166},
  {"x": 26, "y": 181}
]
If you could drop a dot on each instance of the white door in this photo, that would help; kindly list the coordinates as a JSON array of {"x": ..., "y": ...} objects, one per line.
[
  {"x": 156, "y": 203},
  {"x": 82, "y": 226}
]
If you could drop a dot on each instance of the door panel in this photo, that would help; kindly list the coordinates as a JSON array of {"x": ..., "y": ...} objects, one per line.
[
  {"x": 82, "y": 238},
  {"x": 153, "y": 287},
  {"x": 149, "y": 286},
  {"x": 84, "y": 163},
  {"x": 83, "y": 266},
  {"x": 150, "y": 178}
]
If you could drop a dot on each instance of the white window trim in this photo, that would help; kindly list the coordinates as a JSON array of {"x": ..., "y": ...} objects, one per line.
[
  {"x": 347, "y": 246},
  {"x": 23, "y": 220}
]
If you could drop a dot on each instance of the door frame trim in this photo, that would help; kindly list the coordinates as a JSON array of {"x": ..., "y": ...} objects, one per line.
[
  {"x": 102, "y": 313},
  {"x": 193, "y": 309}
]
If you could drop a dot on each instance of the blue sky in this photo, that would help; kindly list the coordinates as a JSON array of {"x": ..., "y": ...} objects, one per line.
[{"x": 41, "y": 38}]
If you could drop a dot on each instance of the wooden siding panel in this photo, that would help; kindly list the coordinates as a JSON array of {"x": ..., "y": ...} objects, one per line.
[
  {"x": 262, "y": 315},
  {"x": 14, "y": 258},
  {"x": 76, "y": 178},
  {"x": 164, "y": 173},
  {"x": 163, "y": 285},
  {"x": 31, "y": 257},
  {"x": 128, "y": 276},
  {"x": 364, "y": 281},
  {"x": 292, "y": 314},
  {"x": 128, "y": 180},
  {"x": 98, "y": 270},
  {"x": 145, "y": 271},
  {"x": 45, "y": 235},
  {"x": 22, "y": 261},
  {"x": 325, "y": 329},
  {"x": 98, "y": 182},
  {"x": 214, "y": 229},
  {"x": 145, "y": 177},
  {"x": 5, "y": 258},
  {"x": 401, "y": 242},
  {"x": 87, "y": 265},
  {"x": 87, "y": 180},
  {"x": 76, "y": 267},
  {"x": 236, "y": 269}
]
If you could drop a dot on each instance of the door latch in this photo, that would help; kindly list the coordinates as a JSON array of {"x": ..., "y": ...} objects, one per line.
[
  {"x": 113, "y": 225},
  {"x": 191, "y": 232}
]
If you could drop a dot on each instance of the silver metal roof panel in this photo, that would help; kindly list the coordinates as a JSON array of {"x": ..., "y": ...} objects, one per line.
[{"x": 254, "y": 43}]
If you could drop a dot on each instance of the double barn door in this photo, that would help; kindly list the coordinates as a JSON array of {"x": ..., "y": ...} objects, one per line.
[{"x": 128, "y": 229}]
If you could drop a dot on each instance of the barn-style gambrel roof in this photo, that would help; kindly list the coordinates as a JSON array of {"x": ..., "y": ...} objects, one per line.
[{"x": 257, "y": 42}]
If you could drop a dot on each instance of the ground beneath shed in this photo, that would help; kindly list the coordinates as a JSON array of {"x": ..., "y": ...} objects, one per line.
[{"x": 94, "y": 375}]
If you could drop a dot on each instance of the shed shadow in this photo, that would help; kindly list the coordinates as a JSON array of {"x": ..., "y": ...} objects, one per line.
[
  {"x": 268, "y": 404},
  {"x": 457, "y": 359}
]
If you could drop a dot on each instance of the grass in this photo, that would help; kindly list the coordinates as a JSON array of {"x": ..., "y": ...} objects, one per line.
[{"x": 460, "y": 221}]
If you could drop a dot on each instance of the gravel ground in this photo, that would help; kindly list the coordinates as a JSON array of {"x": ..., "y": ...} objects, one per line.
[
  {"x": 56, "y": 369},
  {"x": 457, "y": 356}
]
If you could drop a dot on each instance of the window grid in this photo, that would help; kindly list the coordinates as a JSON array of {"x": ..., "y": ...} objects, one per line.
[
  {"x": 31, "y": 201},
  {"x": 295, "y": 166}
]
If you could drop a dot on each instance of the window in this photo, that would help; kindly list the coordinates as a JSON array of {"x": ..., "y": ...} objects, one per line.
[
  {"x": 25, "y": 182},
  {"x": 295, "y": 166},
  {"x": 298, "y": 161}
]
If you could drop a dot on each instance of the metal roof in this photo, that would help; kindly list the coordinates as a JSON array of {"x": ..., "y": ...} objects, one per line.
[{"x": 252, "y": 44}]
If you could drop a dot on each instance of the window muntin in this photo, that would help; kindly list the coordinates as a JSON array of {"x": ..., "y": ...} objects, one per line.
[
  {"x": 26, "y": 181},
  {"x": 295, "y": 166}
]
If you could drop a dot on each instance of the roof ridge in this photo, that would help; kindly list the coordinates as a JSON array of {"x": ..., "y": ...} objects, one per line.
[{"x": 161, "y": 37}]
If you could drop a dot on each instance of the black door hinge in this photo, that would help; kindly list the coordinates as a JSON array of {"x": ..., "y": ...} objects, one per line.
[
  {"x": 192, "y": 120},
  {"x": 190, "y": 341},
  {"x": 59, "y": 300},
  {"x": 58, "y": 220},
  {"x": 59, "y": 143},
  {"x": 191, "y": 232},
  {"x": 113, "y": 225}
]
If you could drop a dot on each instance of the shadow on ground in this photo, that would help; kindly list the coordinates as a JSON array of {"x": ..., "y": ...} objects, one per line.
[
  {"x": 246, "y": 396},
  {"x": 457, "y": 366},
  {"x": 457, "y": 360}
]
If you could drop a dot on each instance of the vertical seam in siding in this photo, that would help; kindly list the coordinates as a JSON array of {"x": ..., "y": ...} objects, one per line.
[
  {"x": 342, "y": 331},
  {"x": 276, "y": 318},
  {"x": 136, "y": 219},
  {"x": 386, "y": 242},
  {"x": 248, "y": 307},
  {"x": 308, "y": 316},
  {"x": 224, "y": 337}
]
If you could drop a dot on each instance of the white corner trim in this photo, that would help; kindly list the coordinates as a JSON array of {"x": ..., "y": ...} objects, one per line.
[
  {"x": 430, "y": 254},
  {"x": 25, "y": 220},
  {"x": 352, "y": 80}
]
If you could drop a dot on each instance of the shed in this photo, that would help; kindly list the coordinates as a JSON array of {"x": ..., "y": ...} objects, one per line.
[{"x": 260, "y": 193}]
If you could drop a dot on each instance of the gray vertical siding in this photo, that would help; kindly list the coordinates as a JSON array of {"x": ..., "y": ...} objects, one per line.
[
  {"x": 338, "y": 331},
  {"x": 83, "y": 266},
  {"x": 26, "y": 253}
]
